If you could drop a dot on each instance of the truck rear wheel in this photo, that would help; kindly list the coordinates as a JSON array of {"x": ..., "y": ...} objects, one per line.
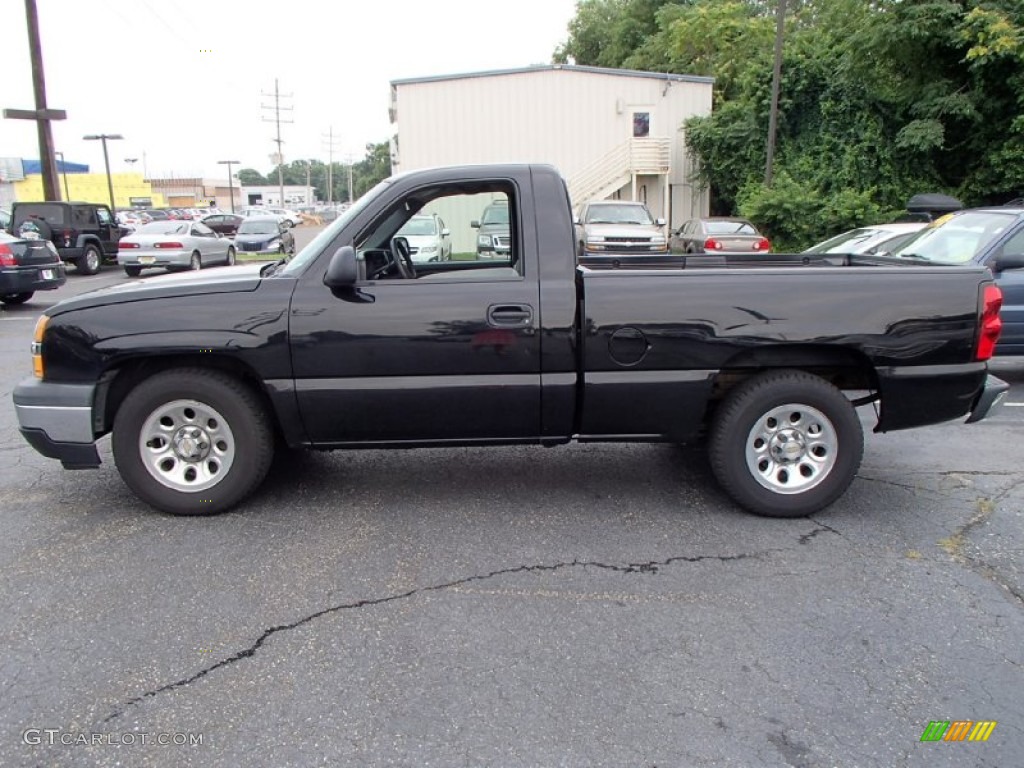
[
  {"x": 786, "y": 444},
  {"x": 192, "y": 441},
  {"x": 90, "y": 261}
]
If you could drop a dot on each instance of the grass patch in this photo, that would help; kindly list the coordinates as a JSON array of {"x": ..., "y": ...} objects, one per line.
[{"x": 257, "y": 256}]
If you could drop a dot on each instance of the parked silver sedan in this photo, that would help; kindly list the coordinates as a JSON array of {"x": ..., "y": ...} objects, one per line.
[
  {"x": 175, "y": 245},
  {"x": 719, "y": 234}
]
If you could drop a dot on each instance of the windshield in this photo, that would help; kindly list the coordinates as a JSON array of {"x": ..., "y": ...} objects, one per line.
[
  {"x": 258, "y": 228},
  {"x": 419, "y": 226},
  {"x": 495, "y": 214},
  {"x": 958, "y": 238},
  {"x": 165, "y": 228},
  {"x": 618, "y": 214},
  {"x": 316, "y": 246}
]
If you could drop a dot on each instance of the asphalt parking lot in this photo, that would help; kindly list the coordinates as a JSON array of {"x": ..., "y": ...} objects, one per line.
[{"x": 594, "y": 605}]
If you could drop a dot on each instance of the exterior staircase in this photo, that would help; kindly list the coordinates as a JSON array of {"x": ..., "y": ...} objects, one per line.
[{"x": 635, "y": 157}]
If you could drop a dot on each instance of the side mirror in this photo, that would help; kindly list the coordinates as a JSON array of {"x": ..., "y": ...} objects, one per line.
[
  {"x": 474, "y": 224},
  {"x": 445, "y": 232},
  {"x": 1008, "y": 261},
  {"x": 343, "y": 271},
  {"x": 576, "y": 220},
  {"x": 660, "y": 222}
]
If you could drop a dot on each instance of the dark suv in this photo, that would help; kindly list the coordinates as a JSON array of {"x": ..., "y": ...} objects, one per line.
[{"x": 84, "y": 234}]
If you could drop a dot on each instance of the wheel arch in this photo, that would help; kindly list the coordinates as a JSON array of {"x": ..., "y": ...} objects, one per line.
[
  {"x": 843, "y": 367},
  {"x": 119, "y": 380}
]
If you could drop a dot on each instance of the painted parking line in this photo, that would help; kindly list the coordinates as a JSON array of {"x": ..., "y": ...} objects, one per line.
[{"x": 1014, "y": 405}]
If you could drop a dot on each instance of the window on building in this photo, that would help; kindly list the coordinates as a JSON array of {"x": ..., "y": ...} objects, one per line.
[{"x": 641, "y": 125}]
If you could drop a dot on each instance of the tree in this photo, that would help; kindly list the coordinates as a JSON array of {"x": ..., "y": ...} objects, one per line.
[{"x": 250, "y": 177}]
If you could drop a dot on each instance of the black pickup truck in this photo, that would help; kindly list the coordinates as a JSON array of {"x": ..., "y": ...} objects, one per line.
[{"x": 352, "y": 344}]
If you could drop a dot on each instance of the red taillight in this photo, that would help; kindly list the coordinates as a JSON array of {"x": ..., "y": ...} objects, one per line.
[
  {"x": 177, "y": 246},
  {"x": 712, "y": 245},
  {"x": 990, "y": 324},
  {"x": 7, "y": 256},
  {"x": 122, "y": 245},
  {"x": 763, "y": 245}
]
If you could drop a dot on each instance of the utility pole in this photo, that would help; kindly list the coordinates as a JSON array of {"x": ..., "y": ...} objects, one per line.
[
  {"x": 277, "y": 108},
  {"x": 331, "y": 144},
  {"x": 348, "y": 162},
  {"x": 231, "y": 184},
  {"x": 773, "y": 114},
  {"x": 41, "y": 114}
]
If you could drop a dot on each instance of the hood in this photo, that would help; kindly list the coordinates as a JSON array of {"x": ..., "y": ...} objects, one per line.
[
  {"x": 208, "y": 281},
  {"x": 623, "y": 230}
]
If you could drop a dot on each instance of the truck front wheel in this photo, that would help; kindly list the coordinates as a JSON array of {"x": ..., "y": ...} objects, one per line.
[
  {"x": 192, "y": 441},
  {"x": 785, "y": 444}
]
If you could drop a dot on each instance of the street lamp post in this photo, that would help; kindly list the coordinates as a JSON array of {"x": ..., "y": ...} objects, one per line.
[
  {"x": 104, "y": 137},
  {"x": 64, "y": 173},
  {"x": 231, "y": 184}
]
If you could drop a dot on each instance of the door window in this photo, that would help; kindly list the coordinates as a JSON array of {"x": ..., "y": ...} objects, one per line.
[{"x": 446, "y": 234}]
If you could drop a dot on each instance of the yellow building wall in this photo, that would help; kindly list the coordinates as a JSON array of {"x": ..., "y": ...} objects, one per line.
[{"x": 90, "y": 188}]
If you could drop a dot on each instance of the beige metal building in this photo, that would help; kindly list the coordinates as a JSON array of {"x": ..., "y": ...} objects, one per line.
[{"x": 612, "y": 133}]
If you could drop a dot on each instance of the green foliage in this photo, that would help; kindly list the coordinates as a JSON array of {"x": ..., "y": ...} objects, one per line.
[
  {"x": 880, "y": 99},
  {"x": 250, "y": 177},
  {"x": 794, "y": 215}
]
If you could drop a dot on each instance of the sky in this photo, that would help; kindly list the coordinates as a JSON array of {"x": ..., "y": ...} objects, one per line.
[{"x": 184, "y": 80}]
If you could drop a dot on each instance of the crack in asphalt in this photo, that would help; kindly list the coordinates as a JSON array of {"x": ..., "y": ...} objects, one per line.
[
  {"x": 822, "y": 528},
  {"x": 650, "y": 567},
  {"x": 955, "y": 544}
]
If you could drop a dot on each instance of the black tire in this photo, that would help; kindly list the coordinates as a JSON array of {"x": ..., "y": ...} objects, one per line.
[
  {"x": 758, "y": 486},
  {"x": 16, "y": 298},
  {"x": 133, "y": 271},
  {"x": 90, "y": 261},
  {"x": 244, "y": 423},
  {"x": 196, "y": 262},
  {"x": 231, "y": 257}
]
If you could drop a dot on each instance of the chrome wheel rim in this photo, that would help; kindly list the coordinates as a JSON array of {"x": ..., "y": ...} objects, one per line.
[
  {"x": 195, "y": 262},
  {"x": 231, "y": 257},
  {"x": 187, "y": 445},
  {"x": 792, "y": 448},
  {"x": 92, "y": 260}
]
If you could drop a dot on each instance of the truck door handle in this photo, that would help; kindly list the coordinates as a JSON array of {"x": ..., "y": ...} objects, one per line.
[{"x": 510, "y": 315}]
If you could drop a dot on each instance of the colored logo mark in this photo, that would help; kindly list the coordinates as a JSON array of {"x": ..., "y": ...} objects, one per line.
[{"x": 958, "y": 730}]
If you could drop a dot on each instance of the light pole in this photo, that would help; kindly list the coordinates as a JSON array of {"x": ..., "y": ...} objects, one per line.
[
  {"x": 231, "y": 184},
  {"x": 104, "y": 137},
  {"x": 64, "y": 173}
]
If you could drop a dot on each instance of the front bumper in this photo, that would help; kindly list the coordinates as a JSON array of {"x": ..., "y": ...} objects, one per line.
[
  {"x": 991, "y": 396},
  {"x": 56, "y": 420},
  {"x": 31, "y": 278}
]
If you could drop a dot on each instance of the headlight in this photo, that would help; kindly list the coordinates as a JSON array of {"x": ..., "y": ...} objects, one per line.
[
  {"x": 658, "y": 240},
  {"x": 595, "y": 239},
  {"x": 428, "y": 249},
  {"x": 484, "y": 240}
]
